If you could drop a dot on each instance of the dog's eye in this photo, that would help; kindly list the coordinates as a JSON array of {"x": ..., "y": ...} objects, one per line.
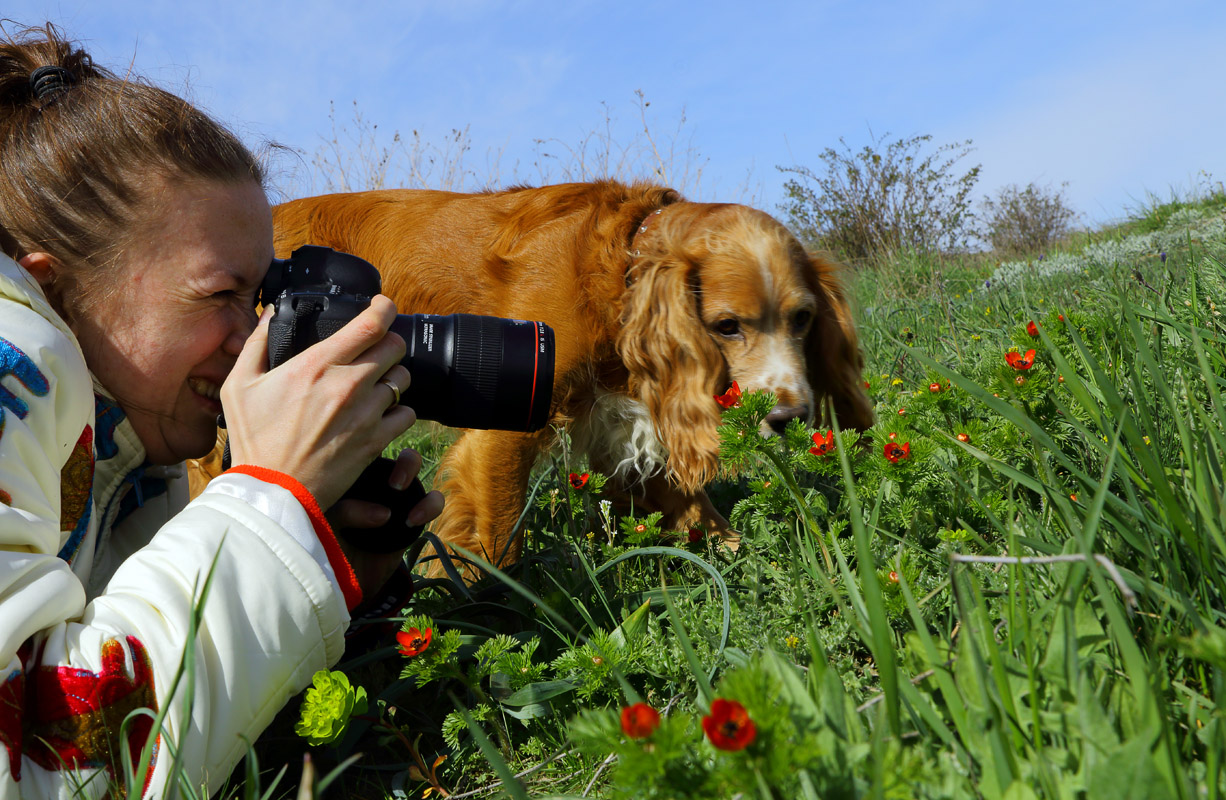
[
  {"x": 801, "y": 320},
  {"x": 728, "y": 327}
]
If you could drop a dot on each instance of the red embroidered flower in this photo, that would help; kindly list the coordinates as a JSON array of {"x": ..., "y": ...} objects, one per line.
[
  {"x": 728, "y": 726},
  {"x": 894, "y": 453},
  {"x": 822, "y": 445},
  {"x": 1019, "y": 361},
  {"x": 578, "y": 481},
  {"x": 413, "y": 642},
  {"x": 1032, "y": 329},
  {"x": 640, "y": 720},
  {"x": 730, "y": 398},
  {"x": 965, "y": 438}
]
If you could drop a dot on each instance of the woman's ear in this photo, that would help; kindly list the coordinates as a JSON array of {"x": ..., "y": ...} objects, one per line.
[{"x": 42, "y": 266}]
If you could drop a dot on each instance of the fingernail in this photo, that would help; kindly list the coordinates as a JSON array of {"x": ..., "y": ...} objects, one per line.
[
  {"x": 266, "y": 314},
  {"x": 381, "y": 516},
  {"x": 399, "y": 479},
  {"x": 416, "y": 517}
]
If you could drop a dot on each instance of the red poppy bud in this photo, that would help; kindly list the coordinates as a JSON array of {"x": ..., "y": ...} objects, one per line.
[
  {"x": 1032, "y": 329},
  {"x": 640, "y": 720},
  {"x": 730, "y": 398},
  {"x": 413, "y": 642},
  {"x": 934, "y": 387},
  {"x": 892, "y": 435},
  {"x": 965, "y": 438},
  {"x": 893, "y": 576},
  {"x": 902, "y": 412},
  {"x": 1060, "y": 379},
  {"x": 640, "y": 528},
  {"x": 578, "y": 481},
  {"x": 866, "y": 384},
  {"x": 728, "y": 726},
  {"x": 1060, "y": 317},
  {"x": 695, "y": 536}
]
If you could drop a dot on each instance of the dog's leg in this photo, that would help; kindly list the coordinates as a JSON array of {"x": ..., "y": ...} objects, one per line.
[{"x": 484, "y": 477}]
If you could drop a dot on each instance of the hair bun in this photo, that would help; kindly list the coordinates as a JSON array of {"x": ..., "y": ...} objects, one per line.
[{"x": 46, "y": 81}]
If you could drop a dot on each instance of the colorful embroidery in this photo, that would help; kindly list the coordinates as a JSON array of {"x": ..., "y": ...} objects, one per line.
[
  {"x": 77, "y": 714},
  {"x": 107, "y": 415},
  {"x": 19, "y": 365},
  {"x": 76, "y": 493}
]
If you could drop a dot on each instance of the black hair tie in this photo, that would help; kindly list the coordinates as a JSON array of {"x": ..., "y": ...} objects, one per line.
[{"x": 46, "y": 81}]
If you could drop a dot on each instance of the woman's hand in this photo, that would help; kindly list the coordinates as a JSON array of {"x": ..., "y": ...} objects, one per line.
[
  {"x": 323, "y": 415},
  {"x": 374, "y": 569}
]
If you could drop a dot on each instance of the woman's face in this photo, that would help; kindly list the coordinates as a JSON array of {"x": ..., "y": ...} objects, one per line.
[{"x": 166, "y": 338}]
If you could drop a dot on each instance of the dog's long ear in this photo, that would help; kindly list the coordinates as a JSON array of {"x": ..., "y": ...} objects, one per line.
[
  {"x": 832, "y": 351},
  {"x": 675, "y": 367}
]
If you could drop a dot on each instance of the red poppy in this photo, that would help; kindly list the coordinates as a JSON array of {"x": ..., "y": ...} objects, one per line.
[
  {"x": 640, "y": 720},
  {"x": 1032, "y": 329},
  {"x": 1060, "y": 317},
  {"x": 965, "y": 438},
  {"x": 1019, "y": 361},
  {"x": 892, "y": 435},
  {"x": 640, "y": 528},
  {"x": 934, "y": 387},
  {"x": 413, "y": 642},
  {"x": 578, "y": 481},
  {"x": 822, "y": 445},
  {"x": 894, "y": 453},
  {"x": 893, "y": 576},
  {"x": 728, "y": 726},
  {"x": 866, "y": 385},
  {"x": 694, "y": 536},
  {"x": 730, "y": 398}
]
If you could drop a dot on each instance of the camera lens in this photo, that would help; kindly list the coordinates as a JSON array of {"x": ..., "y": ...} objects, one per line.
[{"x": 472, "y": 371}]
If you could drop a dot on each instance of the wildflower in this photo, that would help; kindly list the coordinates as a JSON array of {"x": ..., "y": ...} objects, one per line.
[
  {"x": 730, "y": 398},
  {"x": 1032, "y": 329},
  {"x": 896, "y": 382},
  {"x": 728, "y": 726},
  {"x": 1145, "y": 439},
  {"x": 597, "y": 660},
  {"x": 902, "y": 412},
  {"x": 694, "y": 536},
  {"x": 413, "y": 642},
  {"x": 1073, "y": 497},
  {"x": 892, "y": 435},
  {"x": 1060, "y": 317},
  {"x": 327, "y": 707},
  {"x": 792, "y": 641},
  {"x": 934, "y": 387},
  {"x": 1020, "y": 380},
  {"x": 822, "y": 445},
  {"x": 640, "y": 720},
  {"x": 975, "y": 337},
  {"x": 1162, "y": 256},
  {"x": 1019, "y": 361},
  {"x": 640, "y": 528},
  {"x": 591, "y": 535},
  {"x": 964, "y": 437},
  {"x": 866, "y": 384},
  {"x": 578, "y": 481},
  {"x": 893, "y": 576},
  {"x": 894, "y": 453}
]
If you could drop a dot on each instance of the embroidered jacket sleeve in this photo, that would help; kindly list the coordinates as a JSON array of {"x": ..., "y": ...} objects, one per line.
[{"x": 73, "y": 666}]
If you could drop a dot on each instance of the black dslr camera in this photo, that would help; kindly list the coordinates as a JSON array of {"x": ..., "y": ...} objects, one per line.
[{"x": 468, "y": 371}]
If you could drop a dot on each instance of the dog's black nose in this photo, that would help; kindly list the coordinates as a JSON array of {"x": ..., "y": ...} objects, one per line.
[{"x": 780, "y": 416}]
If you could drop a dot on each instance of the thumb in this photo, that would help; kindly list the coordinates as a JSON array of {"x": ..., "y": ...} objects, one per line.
[{"x": 253, "y": 360}]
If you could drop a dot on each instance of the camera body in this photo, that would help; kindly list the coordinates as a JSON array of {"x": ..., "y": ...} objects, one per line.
[{"x": 468, "y": 371}]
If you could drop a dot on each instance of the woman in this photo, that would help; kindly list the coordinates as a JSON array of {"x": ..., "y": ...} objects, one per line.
[{"x": 135, "y": 233}]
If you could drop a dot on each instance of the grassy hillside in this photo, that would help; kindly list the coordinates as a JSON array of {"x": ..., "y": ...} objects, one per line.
[{"x": 1014, "y": 587}]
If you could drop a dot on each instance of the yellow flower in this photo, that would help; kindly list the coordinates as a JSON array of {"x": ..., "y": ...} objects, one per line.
[
  {"x": 591, "y": 535},
  {"x": 975, "y": 337},
  {"x": 1146, "y": 439},
  {"x": 896, "y": 382},
  {"x": 792, "y": 641}
]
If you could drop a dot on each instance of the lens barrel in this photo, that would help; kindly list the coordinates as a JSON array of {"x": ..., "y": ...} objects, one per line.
[{"x": 471, "y": 371}]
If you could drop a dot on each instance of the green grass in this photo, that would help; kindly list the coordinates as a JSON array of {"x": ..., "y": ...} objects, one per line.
[{"x": 1037, "y": 612}]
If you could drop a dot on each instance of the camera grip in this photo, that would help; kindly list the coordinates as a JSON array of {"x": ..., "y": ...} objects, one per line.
[{"x": 372, "y": 487}]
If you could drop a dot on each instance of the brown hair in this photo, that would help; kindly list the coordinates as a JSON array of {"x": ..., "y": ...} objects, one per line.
[{"x": 80, "y": 166}]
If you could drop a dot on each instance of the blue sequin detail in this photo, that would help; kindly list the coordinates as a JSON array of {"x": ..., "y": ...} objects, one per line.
[
  {"x": 107, "y": 415},
  {"x": 16, "y": 363}
]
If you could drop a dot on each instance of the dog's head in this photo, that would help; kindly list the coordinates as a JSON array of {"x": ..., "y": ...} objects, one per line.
[{"x": 720, "y": 293}]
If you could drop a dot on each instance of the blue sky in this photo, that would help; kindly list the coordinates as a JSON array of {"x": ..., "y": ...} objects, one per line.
[{"x": 1119, "y": 99}]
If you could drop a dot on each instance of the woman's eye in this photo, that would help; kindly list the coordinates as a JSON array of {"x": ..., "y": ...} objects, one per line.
[{"x": 727, "y": 327}]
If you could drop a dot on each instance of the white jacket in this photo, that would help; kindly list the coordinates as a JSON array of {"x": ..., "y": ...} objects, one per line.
[{"x": 101, "y": 563}]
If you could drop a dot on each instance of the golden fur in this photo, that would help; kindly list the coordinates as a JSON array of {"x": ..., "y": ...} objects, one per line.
[{"x": 640, "y": 303}]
